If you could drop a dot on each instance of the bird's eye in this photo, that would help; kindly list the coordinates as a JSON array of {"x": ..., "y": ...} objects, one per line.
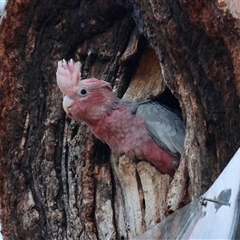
[{"x": 83, "y": 92}]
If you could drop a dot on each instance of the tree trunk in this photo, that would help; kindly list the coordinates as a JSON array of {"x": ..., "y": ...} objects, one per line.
[{"x": 57, "y": 180}]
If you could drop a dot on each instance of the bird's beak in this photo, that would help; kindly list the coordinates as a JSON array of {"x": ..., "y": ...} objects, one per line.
[{"x": 67, "y": 103}]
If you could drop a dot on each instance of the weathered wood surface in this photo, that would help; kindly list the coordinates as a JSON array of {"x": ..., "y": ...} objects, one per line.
[{"x": 57, "y": 180}]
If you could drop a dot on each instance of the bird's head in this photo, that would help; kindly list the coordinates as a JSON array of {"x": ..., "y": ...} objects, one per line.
[{"x": 84, "y": 100}]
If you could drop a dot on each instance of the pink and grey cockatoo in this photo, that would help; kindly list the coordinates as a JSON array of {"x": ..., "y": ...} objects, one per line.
[{"x": 140, "y": 130}]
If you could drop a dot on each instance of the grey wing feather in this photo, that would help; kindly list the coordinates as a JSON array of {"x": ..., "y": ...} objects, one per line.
[{"x": 165, "y": 126}]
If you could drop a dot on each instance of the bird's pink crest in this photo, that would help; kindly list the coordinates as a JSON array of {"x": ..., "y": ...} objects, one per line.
[{"x": 68, "y": 75}]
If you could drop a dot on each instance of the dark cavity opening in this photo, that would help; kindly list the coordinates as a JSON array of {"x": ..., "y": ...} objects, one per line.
[{"x": 169, "y": 100}]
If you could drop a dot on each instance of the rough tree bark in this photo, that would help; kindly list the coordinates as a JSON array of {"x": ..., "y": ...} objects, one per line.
[{"x": 57, "y": 180}]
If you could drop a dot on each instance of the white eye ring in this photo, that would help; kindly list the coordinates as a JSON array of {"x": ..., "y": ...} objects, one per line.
[{"x": 82, "y": 92}]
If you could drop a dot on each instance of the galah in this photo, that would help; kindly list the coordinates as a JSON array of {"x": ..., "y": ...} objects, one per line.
[{"x": 141, "y": 130}]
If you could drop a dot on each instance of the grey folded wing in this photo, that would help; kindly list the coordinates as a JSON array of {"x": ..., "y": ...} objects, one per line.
[{"x": 165, "y": 127}]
